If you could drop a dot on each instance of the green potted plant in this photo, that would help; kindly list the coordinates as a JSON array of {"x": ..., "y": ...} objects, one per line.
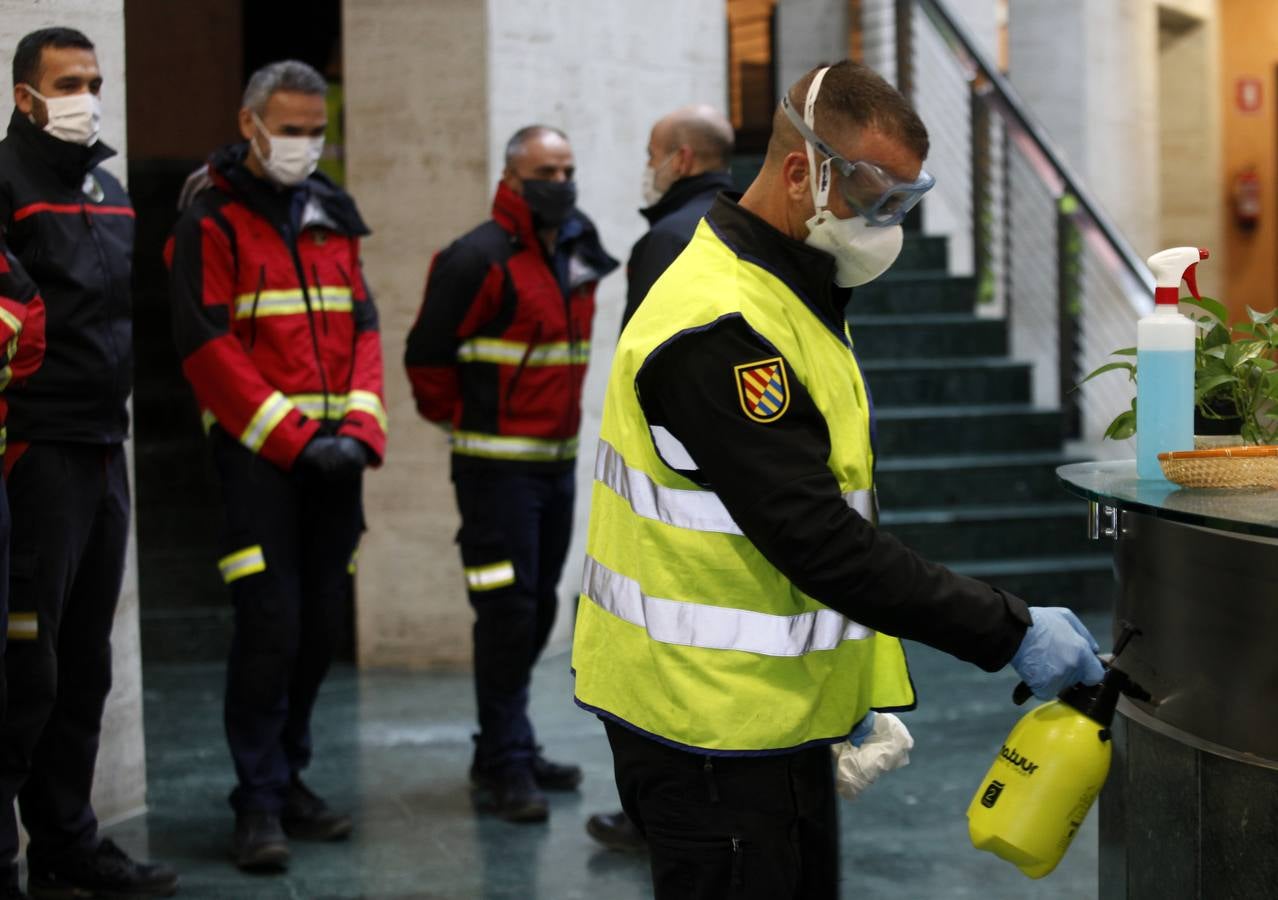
[{"x": 1235, "y": 375}]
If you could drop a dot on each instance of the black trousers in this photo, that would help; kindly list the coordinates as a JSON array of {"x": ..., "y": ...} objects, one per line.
[
  {"x": 290, "y": 540},
  {"x": 70, "y": 506},
  {"x": 731, "y": 827},
  {"x": 514, "y": 537}
]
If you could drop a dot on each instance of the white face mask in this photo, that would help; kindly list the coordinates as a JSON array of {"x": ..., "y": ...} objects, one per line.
[
  {"x": 292, "y": 159},
  {"x": 74, "y": 118},
  {"x": 862, "y": 252},
  {"x": 651, "y": 193}
]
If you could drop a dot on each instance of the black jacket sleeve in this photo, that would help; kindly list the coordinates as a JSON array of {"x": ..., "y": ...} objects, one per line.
[
  {"x": 652, "y": 254},
  {"x": 775, "y": 481}
]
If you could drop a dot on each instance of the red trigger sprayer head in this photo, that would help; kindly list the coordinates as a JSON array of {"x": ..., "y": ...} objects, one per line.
[{"x": 1191, "y": 274}]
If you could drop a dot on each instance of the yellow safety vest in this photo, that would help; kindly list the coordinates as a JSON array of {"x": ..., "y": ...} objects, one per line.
[{"x": 684, "y": 630}]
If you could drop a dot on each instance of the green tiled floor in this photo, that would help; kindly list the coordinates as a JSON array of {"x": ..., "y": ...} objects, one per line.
[{"x": 393, "y": 748}]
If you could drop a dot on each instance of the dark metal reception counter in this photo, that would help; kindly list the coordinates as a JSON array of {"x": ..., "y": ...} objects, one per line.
[{"x": 1191, "y": 805}]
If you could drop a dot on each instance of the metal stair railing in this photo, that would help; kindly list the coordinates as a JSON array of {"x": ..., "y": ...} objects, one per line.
[{"x": 1044, "y": 254}]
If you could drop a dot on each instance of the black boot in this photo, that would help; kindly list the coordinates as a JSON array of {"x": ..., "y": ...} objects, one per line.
[
  {"x": 616, "y": 832},
  {"x": 307, "y": 817},
  {"x": 105, "y": 871},
  {"x": 511, "y": 794},
  {"x": 259, "y": 844},
  {"x": 553, "y": 776}
]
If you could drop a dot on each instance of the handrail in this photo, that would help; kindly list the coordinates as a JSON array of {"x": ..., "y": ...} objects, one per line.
[{"x": 975, "y": 60}]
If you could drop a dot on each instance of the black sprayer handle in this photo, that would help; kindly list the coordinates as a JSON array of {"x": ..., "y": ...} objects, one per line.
[{"x": 1021, "y": 693}]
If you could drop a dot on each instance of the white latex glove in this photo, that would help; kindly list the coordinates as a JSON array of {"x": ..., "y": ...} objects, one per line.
[{"x": 885, "y": 748}]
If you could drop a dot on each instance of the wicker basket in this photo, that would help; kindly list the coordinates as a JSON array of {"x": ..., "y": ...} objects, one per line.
[{"x": 1223, "y": 467}]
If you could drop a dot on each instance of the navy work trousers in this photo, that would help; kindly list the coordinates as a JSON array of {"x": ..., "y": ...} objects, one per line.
[
  {"x": 514, "y": 537},
  {"x": 731, "y": 827},
  {"x": 70, "y": 507},
  {"x": 289, "y": 542}
]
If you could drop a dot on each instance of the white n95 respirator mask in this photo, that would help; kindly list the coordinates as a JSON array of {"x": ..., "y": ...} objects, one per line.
[{"x": 862, "y": 252}]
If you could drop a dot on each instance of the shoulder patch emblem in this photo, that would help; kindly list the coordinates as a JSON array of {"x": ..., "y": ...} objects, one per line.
[{"x": 763, "y": 389}]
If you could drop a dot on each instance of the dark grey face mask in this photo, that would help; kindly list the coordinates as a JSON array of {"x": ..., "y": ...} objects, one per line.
[{"x": 551, "y": 202}]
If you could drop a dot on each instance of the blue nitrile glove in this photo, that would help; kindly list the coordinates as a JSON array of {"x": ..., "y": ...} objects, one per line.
[
  {"x": 862, "y": 730},
  {"x": 1057, "y": 652}
]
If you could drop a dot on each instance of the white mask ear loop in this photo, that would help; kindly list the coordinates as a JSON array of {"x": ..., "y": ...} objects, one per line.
[{"x": 820, "y": 185}]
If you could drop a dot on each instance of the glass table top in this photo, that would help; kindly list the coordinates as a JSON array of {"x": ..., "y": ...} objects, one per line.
[{"x": 1245, "y": 510}]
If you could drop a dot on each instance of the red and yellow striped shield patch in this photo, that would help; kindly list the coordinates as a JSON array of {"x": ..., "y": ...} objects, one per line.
[{"x": 763, "y": 389}]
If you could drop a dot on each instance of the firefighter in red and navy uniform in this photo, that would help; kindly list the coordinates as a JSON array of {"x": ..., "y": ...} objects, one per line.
[
  {"x": 498, "y": 355},
  {"x": 68, "y": 225},
  {"x": 21, "y": 351},
  {"x": 279, "y": 340}
]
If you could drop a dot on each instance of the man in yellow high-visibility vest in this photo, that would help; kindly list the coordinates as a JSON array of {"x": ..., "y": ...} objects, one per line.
[{"x": 740, "y": 611}]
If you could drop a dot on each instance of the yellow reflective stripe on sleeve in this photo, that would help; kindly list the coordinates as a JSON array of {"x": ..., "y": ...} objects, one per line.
[
  {"x": 6, "y": 375},
  {"x": 8, "y": 318},
  {"x": 501, "y": 446},
  {"x": 241, "y": 563},
  {"x": 353, "y": 565},
  {"x": 369, "y": 403},
  {"x": 513, "y": 353},
  {"x": 23, "y": 626},
  {"x": 207, "y": 419},
  {"x": 272, "y": 411},
  {"x": 312, "y": 405},
  {"x": 292, "y": 302},
  {"x": 491, "y": 576}
]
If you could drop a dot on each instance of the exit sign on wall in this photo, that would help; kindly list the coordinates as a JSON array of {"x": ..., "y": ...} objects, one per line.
[{"x": 1248, "y": 95}]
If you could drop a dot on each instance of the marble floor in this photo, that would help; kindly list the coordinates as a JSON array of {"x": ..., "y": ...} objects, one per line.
[{"x": 393, "y": 748}]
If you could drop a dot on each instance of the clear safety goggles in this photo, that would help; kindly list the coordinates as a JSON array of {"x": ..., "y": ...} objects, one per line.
[{"x": 875, "y": 194}]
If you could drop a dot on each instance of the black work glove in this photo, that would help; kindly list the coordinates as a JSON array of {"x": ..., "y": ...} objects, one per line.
[{"x": 334, "y": 456}]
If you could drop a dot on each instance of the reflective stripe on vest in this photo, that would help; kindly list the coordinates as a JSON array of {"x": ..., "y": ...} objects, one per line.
[
  {"x": 717, "y": 627},
  {"x": 8, "y": 318},
  {"x": 502, "y": 446},
  {"x": 697, "y": 510},
  {"x": 292, "y": 302},
  {"x": 514, "y": 353}
]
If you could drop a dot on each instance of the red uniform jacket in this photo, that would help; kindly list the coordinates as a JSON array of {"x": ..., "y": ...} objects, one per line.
[
  {"x": 21, "y": 330},
  {"x": 272, "y": 317},
  {"x": 500, "y": 346}
]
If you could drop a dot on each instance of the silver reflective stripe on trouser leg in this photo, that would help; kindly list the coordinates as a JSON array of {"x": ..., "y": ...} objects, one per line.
[
  {"x": 865, "y": 502},
  {"x": 717, "y": 627},
  {"x": 490, "y": 577}
]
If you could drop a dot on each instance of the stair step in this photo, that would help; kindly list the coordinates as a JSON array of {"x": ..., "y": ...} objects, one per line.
[
  {"x": 922, "y": 252},
  {"x": 923, "y": 336},
  {"x": 941, "y": 481},
  {"x": 960, "y": 430},
  {"x": 915, "y": 382},
  {"x": 991, "y": 532},
  {"x": 901, "y": 292},
  {"x": 1083, "y": 583}
]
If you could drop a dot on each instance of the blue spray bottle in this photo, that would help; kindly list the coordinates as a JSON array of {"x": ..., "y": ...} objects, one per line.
[{"x": 1165, "y": 363}]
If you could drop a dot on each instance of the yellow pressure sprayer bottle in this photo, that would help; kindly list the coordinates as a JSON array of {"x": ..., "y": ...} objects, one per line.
[{"x": 1048, "y": 772}]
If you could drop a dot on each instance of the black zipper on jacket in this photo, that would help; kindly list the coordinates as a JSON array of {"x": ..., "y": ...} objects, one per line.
[
  {"x": 310, "y": 321},
  {"x": 106, "y": 306},
  {"x": 319, "y": 293},
  {"x": 523, "y": 362},
  {"x": 257, "y": 294}
]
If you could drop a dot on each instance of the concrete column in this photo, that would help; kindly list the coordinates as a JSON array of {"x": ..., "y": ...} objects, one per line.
[
  {"x": 424, "y": 152},
  {"x": 1103, "y": 111},
  {"x": 809, "y": 33},
  {"x": 416, "y": 92},
  {"x": 120, "y": 785}
]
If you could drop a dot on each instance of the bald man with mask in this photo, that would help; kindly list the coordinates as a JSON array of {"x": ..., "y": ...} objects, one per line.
[{"x": 689, "y": 151}]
